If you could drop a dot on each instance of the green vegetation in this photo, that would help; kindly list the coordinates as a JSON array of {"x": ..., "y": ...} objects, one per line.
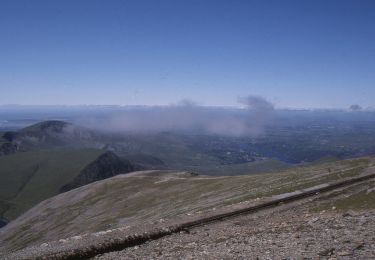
[{"x": 30, "y": 177}]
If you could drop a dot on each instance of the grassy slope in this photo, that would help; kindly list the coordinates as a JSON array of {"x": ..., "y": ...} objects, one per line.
[
  {"x": 30, "y": 177},
  {"x": 135, "y": 200}
]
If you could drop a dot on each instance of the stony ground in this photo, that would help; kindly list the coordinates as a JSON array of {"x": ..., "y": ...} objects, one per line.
[
  {"x": 295, "y": 232},
  {"x": 337, "y": 224},
  {"x": 299, "y": 230}
]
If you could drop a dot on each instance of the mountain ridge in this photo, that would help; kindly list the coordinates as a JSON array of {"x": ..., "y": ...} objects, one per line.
[{"x": 146, "y": 199}]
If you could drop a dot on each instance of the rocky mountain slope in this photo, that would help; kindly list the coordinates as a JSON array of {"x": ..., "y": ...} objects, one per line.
[
  {"x": 294, "y": 232},
  {"x": 140, "y": 201},
  {"x": 50, "y": 157},
  {"x": 105, "y": 166}
]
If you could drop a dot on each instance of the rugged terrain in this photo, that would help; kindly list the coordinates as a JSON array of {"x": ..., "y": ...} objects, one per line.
[
  {"x": 289, "y": 233},
  {"x": 137, "y": 202},
  {"x": 30, "y": 177},
  {"x": 48, "y": 158},
  {"x": 105, "y": 166},
  {"x": 71, "y": 173}
]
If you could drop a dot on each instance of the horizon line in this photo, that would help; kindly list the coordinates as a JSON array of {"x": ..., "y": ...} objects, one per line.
[{"x": 367, "y": 109}]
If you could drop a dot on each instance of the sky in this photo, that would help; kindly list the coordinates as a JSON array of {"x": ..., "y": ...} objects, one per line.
[{"x": 295, "y": 54}]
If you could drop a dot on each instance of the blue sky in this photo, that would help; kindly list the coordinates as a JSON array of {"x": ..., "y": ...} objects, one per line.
[{"x": 303, "y": 53}]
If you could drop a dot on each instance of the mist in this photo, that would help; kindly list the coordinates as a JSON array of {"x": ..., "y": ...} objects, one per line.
[{"x": 187, "y": 116}]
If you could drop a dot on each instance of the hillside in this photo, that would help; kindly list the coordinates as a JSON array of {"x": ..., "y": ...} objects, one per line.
[
  {"x": 142, "y": 200},
  {"x": 104, "y": 166},
  {"x": 30, "y": 177},
  {"x": 280, "y": 149},
  {"x": 47, "y": 135}
]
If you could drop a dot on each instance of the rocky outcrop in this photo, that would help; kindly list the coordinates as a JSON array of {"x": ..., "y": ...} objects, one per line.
[
  {"x": 105, "y": 166},
  {"x": 10, "y": 136},
  {"x": 8, "y": 148},
  {"x": 3, "y": 222}
]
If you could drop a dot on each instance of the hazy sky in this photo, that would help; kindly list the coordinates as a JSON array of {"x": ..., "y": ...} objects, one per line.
[{"x": 303, "y": 53}]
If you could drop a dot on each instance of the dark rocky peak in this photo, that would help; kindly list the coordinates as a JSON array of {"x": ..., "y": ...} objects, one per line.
[
  {"x": 10, "y": 136},
  {"x": 105, "y": 166}
]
